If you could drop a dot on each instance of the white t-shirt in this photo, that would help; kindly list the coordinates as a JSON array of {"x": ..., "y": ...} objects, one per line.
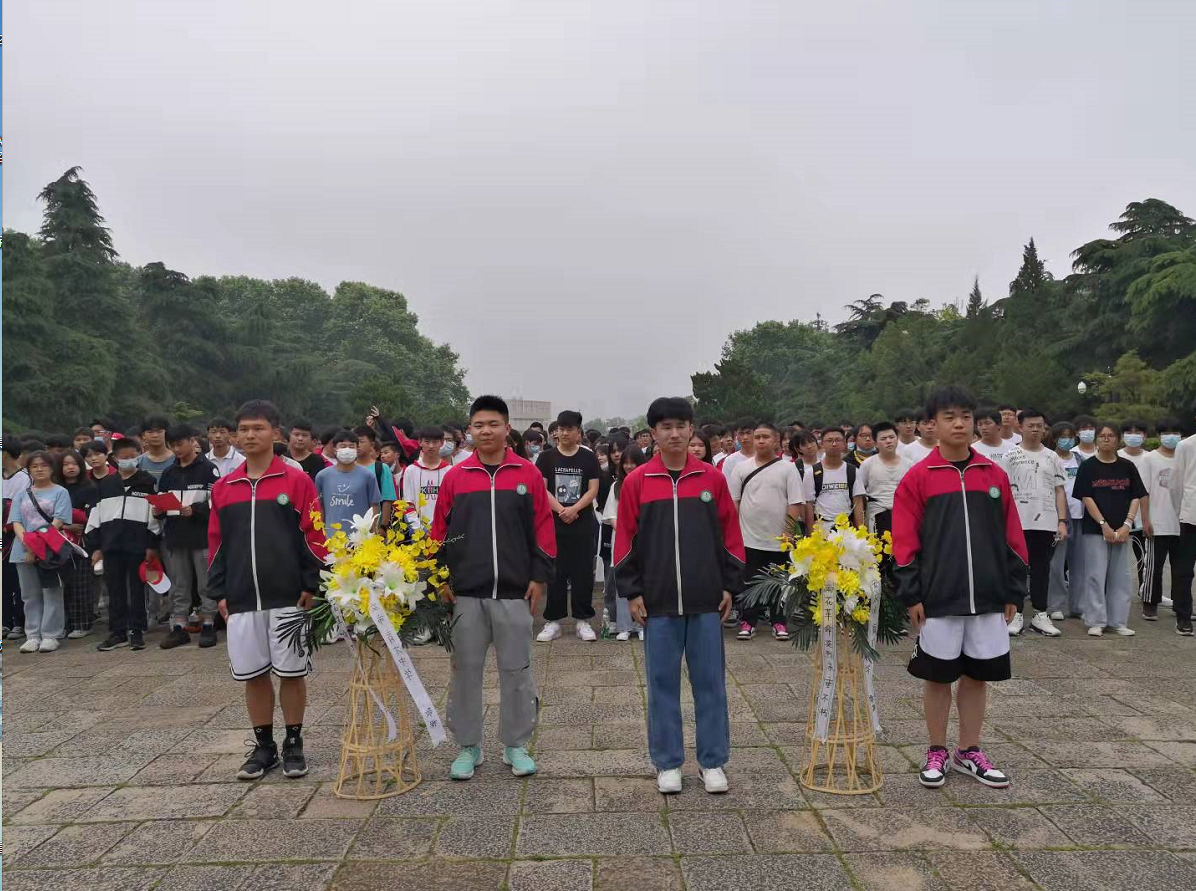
[
  {"x": 1071, "y": 464},
  {"x": 1156, "y": 476},
  {"x": 230, "y": 462},
  {"x": 732, "y": 461},
  {"x": 1139, "y": 461},
  {"x": 1015, "y": 438},
  {"x": 420, "y": 480},
  {"x": 879, "y": 482},
  {"x": 1033, "y": 477},
  {"x": 16, "y": 484},
  {"x": 763, "y": 505},
  {"x": 993, "y": 453},
  {"x": 833, "y": 499},
  {"x": 915, "y": 451}
]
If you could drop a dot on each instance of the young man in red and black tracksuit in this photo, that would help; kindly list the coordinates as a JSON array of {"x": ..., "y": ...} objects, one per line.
[
  {"x": 961, "y": 571},
  {"x": 493, "y": 516},
  {"x": 679, "y": 561},
  {"x": 266, "y": 555}
]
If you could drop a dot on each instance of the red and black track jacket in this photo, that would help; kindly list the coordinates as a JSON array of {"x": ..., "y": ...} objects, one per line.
[
  {"x": 957, "y": 538},
  {"x": 263, "y": 547},
  {"x": 498, "y": 530},
  {"x": 677, "y": 544}
]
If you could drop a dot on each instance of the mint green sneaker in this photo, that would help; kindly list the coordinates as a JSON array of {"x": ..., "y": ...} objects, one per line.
[
  {"x": 520, "y": 761},
  {"x": 470, "y": 757}
]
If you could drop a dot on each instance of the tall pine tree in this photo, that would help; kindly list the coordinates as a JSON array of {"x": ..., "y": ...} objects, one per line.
[{"x": 976, "y": 301}]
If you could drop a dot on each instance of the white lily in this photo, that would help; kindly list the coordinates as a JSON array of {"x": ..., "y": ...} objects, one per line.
[
  {"x": 362, "y": 526},
  {"x": 800, "y": 568}
]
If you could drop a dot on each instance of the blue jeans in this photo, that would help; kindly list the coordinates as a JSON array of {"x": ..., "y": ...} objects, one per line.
[{"x": 700, "y": 638}]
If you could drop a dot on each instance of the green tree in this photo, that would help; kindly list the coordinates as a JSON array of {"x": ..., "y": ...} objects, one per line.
[{"x": 976, "y": 302}]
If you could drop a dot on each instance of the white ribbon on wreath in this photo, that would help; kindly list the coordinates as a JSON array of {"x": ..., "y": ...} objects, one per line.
[
  {"x": 873, "y": 623},
  {"x": 342, "y": 632},
  {"x": 830, "y": 663},
  {"x": 415, "y": 686}
]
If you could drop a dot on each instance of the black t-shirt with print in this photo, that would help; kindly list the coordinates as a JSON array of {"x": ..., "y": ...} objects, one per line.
[
  {"x": 568, "y": 478},
  {"x": 1112, "y": 486},
  {"x": 313, "y": 464}
]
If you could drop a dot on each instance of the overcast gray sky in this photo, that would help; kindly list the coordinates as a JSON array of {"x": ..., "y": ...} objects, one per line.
[{"x": 584, "y": 199}]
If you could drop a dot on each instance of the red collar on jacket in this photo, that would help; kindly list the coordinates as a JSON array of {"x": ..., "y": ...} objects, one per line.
[
  {"x": 473, "y": 462},
  {"x": 277, "y": 467},
  {"x": 655, "y": 466},
  {"x": 935, "y": 460}
]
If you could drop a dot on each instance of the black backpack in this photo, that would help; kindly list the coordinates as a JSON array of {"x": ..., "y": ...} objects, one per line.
[{"x": 851, "y": 469}]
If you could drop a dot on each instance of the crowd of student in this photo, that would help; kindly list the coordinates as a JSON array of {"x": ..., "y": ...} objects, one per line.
[{"x": 88, "y": 518}]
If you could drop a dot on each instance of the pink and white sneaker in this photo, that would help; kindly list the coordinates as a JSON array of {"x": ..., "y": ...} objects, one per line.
[
  {"x": 934, "y": 772},
  {"x": 779, "y": 631},
  {"x": 746, "y": 631},
  {"x": 976, "y": 764}
]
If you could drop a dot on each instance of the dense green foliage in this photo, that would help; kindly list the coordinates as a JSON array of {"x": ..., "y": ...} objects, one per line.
[
  {"x": 87, "y": 335},
  {"x": 1124, "y": 322}
]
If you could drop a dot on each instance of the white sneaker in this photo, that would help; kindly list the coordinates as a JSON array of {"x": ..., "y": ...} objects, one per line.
[
  {"x": 1096, "y": 631},
  {"x": 640, "y": 632},
  {"x": 1015, "y": 627},
  {"x": 1123, "y": 631},
  {"x": 30, "y": 646},
  {"x": 1057, "y": 616},
  {"x": 623, "y": 635},
  {"x": 49, "y": 645},
  {"x": 1167, "y": 603},
  {"x": 1042, "y": 624},
  {"x": 715, "y": 780},
  {"x": 669, "y": 781},
  {"x": 551, "y": 631},
  {"x": 78, "y": 633},
  {"x": 585, "y": 632}
]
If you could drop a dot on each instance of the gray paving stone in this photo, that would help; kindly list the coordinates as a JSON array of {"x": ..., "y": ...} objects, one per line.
[
  {"x": 58, "y": 806},
  {"x": 977, "y": 871},
  {"x": 149, "y": 803},
  {"x": 195, "y": 878},
  {"x": 1098, "y": 754},
  {"x": 1107, "y": 870},
  {"x": 1017, "y": 827},
  {"x": 263, "y": 802},
  {"x": 627, "y": 794},
  {"x": 557, "y": 738},
  {"x": 1114, "y": 786},
  {"x": 784, "y": 832},
  {"x": 1155, "y": 728},
  {"x": 428, "y": 875},
  {"x": 98, "y": 770},
  {"x": 640, "y": 873},
  {"x": 104, "y": 878},
  {"x": 559, "y": 796},
  {"x": 695, "y": 832},
  {"x": 1094, "y": 826},
  {"x": 592, "y": 834},
  {"x": 551, "y": 875},
  {"x": 171, "y": 770},
  {"x": 754, "y": 791},
  {"x": 291, "y": 877},
  {"x": 1178, "y": 785},
  {"x": 777, "y": 872},
  {"x": 15, "y": 800},
  {"x": 242, "y": 841},
  {"x": 393, "y": 838},
  {"x": 1172, "y": 826},
  {"x": 436, "y": 798},
  {"x": 476, "y": 837},
  {"x": 871, "y": 829},
  {"x": 20, "y": 840},
  {"x": 1179, "y": 752},
  {"x": 612, "y": 762},
  {"x": 1027, "y": 787},
  {"x": 894, "y": 872},
  {"x": 79, "y": 845},
  {"x": 621, "y": 735},
  {"x": 157, "y": 842}
]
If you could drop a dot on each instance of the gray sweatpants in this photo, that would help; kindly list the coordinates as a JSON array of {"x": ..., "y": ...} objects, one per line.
[
  {"x": 1066, "y": 592},
  {"x": 477, "y": 623},
  {"x": 188, "y": 572},
  {"x": 1107, "y": 583}
]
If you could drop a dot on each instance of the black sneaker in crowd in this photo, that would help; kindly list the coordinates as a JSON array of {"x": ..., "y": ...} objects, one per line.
[
  {"x": 1150, "y": 612},
  {"x": 207, "y": 636},
  {"x": 1183, "y": 627},
  {"x": 178, "y": 637},
  {"x": 260, "y": 760},
  {"x": 293, "y": 763},
  {"x": 113, "y": 641},
  {"x": 136, "y": 640}
]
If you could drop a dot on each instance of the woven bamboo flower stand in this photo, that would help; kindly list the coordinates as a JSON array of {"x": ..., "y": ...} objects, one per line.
[
  {"x": 846, "y": 763},
  {"x": 373, "y": 767}
]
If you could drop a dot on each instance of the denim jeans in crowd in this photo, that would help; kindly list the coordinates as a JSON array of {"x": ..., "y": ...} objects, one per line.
[{"x": 699, "y": 638}]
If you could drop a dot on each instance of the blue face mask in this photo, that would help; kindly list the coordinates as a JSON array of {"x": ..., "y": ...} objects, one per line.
[
  {"x": 533, "y": 450},
  {"x": 1088, "y": 436},
  {"x": 1067, "y": 443},
  {"x": 1134, "y": 440},
  {"x": 1169, "y": 440}
]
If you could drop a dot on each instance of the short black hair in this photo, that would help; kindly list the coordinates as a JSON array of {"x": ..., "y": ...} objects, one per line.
[
  {"x": 944, "y": 398},
  {"x": 179, "y": 432},
  {"x": 745, "y": 424},
  {"x": 1084, "y": 421},
  {"x": 344, "y": 435},
  {"x": 906, "y": 414},
  {"x": 881, "y": 426},
  {"x": 158, "y": 422},
  {"x": 365, "y": 431},
  {"x": 1030, "y": 413},
  {"x": 1169, "y": 425},
  {"x": 642, "y": 431},
  {"x": 29, "y": 446},
  {"x": 669, "y": 408},
  {"x": 404, "y": 424},
  {"x": 221, "y": 423},
  {"x": 491, "y": 403},
  {"x": 301, "y": 424},
  {"x": 1058, "y": 429},
  {"x": 993, "y": 414},
  {"x": 12, "y": 446},
  {"x": 1111, "y": 425},
  {"x": 82, "y": 431},
  {"x": 536, "y": 424},
  {"x": 714, "y": 429},
  {"x": 1135, "y": 424},
  {"x": 430, "y": 433},
  {"x": 122, "y": 444},
  {"x": 1004, "y": 406},
  {"x": 568, "y": 418},
  {"x": 532, "y": 434},
  {"x": 96, "y": 445},
  {"x": 258, "y": 410},
  {"x": 59, "y": 441},
  {"x": 107, "y": 423},
  {"x": 768, "y": 425},
  {"x": 42, "y": 455},
  {"x": 829, "y": 431}
]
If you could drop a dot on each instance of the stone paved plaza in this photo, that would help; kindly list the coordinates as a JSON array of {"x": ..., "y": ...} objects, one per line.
[{"x": 119, "y": 774}]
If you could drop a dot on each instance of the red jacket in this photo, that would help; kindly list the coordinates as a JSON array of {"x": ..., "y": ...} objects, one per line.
[
  {"x": 497, "y": 531},
  {"x": 957, "y": 538},
  {"x": 677, "y": 544},
  {"x": 264, "y": 549}
]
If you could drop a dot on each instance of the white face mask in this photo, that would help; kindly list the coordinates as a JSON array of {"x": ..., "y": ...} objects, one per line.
[
  {"x": 1169, "y": 440},
  {"x": 1134, "y": 440},
  {"x": 446, "y": 450},
  {"x": 346, "y": 455},
  {"x": 1088, "y": 436},
  {"x": 127, "y": 463}
]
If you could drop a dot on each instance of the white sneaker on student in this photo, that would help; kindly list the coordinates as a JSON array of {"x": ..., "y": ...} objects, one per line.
[
  {"x": 1096, "y": 631},
  {"x": 1122, "y": 631},
  {"x": 623, "y": 635},
  {"x": 585, "y": 632},
  {"x": 715, "y": 780},
  {"x": 640, "y": 633},
  {"x": 48, "y": 645},
  {"x": 669, "y": 781},
  {"x": 1057, "y": 616},
  {"x": 1015, "y": 627},
  {"x": 550, "y": 631},
  {"x": 30, "y": 645},
  {"x": 1041, "y": 623},
  {"x": 1167, "y": 603}
]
